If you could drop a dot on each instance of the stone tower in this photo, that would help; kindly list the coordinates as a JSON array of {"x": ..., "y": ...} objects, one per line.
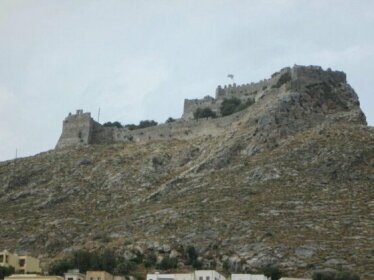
[{"x": 77, "y": 130}]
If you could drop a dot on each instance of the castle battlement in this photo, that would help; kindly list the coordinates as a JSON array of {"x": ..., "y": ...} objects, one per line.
[{"x": 80, "y": 128}]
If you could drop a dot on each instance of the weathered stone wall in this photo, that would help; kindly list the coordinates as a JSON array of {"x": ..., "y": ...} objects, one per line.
[
  {"x": 180, "y": 129},
  {"x": 298, "y": 75},
  {"x": 77, "y": 130},
  {"x": 243, "y": 92},
  {"x": 190, "y": 106},
  {"x": 306, "y": 75},
  {"x": 82, "y": 129}
]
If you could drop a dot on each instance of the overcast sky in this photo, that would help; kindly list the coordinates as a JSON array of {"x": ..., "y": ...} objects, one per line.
[{"x": 139, "y": 59}]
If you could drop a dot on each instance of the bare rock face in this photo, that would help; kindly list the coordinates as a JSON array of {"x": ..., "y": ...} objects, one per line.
[{"x": 287, "y": 182}]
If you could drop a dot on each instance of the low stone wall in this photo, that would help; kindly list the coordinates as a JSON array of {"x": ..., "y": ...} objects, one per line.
[{"x": 180, "y": 129}]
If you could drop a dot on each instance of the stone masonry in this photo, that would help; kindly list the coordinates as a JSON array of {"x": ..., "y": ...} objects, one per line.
[{"x": 81, "y": 129}]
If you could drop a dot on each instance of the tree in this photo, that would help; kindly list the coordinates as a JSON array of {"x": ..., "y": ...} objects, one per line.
[
  {"x": 108, "y": 260},
  {"x": 142, "y": 124},
  {"x": 147, "y": 123},
  {"x": 150, "y": 260},
  {"x": 204, "y": 113},
  {"x": 168, "y": 263},
  {"x": 170, "y": 120},
  {"x": 113, "y": 124},
  {"x": 191, "y": 254},
  {"x": 125, "y": 267},
  {"x": 347, "y": 275},
  {"x": 131, "y": 126},
  {"x": 331, "y": 275},
  {"x": 233, "y": 105},
  {"x": 229, "y": 106},
  {"x": 6, "y": 271},
  {"x": 59, "y": 267},
  {"x": 273, "y": 272},
  {"x": 82, "y": 260},
  {"x": 323, "y": 275}
]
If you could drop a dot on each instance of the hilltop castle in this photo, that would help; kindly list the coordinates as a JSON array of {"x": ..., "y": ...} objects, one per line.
[{"x": 81, "y": 129}]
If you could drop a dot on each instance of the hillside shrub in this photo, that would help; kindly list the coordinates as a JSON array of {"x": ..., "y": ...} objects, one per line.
[
  {"x": 273, "y": 272},
  {"x": 191, "y": 254},
  {"x": 124, "y": 267},
  {"x": 285, "y": 78},
  {"x": 113, "y": 124},
  {"x": 142, "y": 124},
  {"x": 233, "y": 105},
  {"x": 170, "y": 120},
  {"x": 331, "y": 275},
  {"x": 196, "y": 264},
  {"x": 150, "y": 260},
  {"x": 98, "y": 260},
  {"x": 168, "y": 263},
  {"x": 201, "y": 113},
  {"x": 147, "y": 123},
  {"x": 6, "y": 271}
]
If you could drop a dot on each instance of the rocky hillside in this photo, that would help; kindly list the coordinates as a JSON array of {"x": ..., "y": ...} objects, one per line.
[{"x": 290, "y": 182}]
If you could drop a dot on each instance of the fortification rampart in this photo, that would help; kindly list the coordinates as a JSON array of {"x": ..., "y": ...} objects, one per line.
[
  {"x": 296, "y": 78},
  {"x": 242, "y": 92},
  {"x": 180, "y": 129},
  {"x": 80, "y": 128}
]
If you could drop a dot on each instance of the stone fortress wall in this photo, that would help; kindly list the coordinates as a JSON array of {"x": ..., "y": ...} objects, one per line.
[
  {"x": 242, "y": 92},
  {"x": 81, "y": 129}
]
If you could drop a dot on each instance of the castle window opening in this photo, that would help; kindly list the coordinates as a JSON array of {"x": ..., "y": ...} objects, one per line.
[
  {"x": 21, "y": 262},
  {"x": 1, "y": 258}
]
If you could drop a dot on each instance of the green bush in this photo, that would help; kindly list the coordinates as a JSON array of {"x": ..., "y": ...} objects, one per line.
[
  {"x": 83, "y": 260},
  {"x": 60, "y": 267},
  {"x": 146, "y": 123},
  {"x": 229, "y": 106},
  {"x": 191, "y": 254},
  {"x": 330, "y": 275},
  {"x": 347, "y": 275},
  {"x": 170, "y": 120},
  {"x": 125, "y": 267},
  {"x": 113, "y": 124},
  {"x": 273, "y": 272},
  {"x": 142, "y": 124},
  {"x": 201, "y": 113},
  {"x": 196, "y": 264},
  {"x": 285, "y": 78},
  {"x": 6, "y": 271},
  {"x": 233, "y": 105},
  {"x": 168, "y": 263},
  {"x": 150, "y": 260}
]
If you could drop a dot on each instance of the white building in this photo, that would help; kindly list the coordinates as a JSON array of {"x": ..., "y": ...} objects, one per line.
[
  {"x": 248, "y": 277},
  {"x": 74, "y": 274},
  {"x": 197, "y": 275},
  {"x": 288, "y": 278}
]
